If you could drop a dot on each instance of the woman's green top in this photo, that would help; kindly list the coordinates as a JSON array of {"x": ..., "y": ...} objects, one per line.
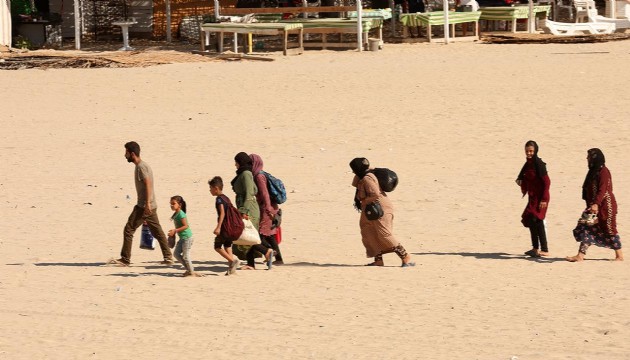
[{"x": 246, "y": 191}]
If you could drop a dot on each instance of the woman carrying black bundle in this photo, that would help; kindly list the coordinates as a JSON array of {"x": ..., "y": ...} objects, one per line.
[
  {"x": 534, "y": 182},
  {"x": 377, "y": 235},
  {"x": 597, "y": 192}
]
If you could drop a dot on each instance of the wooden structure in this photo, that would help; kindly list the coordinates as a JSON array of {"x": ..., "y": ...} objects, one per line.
[
  {"x": 433, "y": 18},
  {"x": 512, "y": 13},
  {"x": 256, "y": 29}
]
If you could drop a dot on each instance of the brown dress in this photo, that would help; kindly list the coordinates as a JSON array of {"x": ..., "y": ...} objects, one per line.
[{"x": 377, "y": 235}]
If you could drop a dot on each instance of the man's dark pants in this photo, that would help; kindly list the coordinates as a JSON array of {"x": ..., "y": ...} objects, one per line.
[{"x": 136, "y": 219}]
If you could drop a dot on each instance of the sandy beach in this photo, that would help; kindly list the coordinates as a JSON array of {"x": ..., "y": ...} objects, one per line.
[{"x": 450, "y": 120}]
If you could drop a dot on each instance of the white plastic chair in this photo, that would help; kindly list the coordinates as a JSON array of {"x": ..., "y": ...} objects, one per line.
[
  {"x": 572, "y": 29},
  {"x": 581, "y": 10},
  {"x": 593, "y": 16}
]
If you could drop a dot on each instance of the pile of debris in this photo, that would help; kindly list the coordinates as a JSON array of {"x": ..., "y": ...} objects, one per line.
[
  {"x": 525, "y": 38},
  {"x": 52, "y": 59}
]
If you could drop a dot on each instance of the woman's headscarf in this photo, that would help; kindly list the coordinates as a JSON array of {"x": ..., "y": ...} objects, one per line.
[
  {"x": 359, "y": 166},
  {"x": 257, "y": 163},
  {"x": 596, "y": 162},
  {"x": 244, "y": 163},
  {"x": 539, "y": 165}
]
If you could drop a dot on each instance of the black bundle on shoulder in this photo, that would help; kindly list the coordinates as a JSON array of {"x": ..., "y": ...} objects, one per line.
[{"x": 387, "y": 179}]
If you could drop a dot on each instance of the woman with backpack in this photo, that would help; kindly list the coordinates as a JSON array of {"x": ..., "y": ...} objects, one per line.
[
  {"x": 376, "y": 231},
  {"x": 268, "y": 209}
]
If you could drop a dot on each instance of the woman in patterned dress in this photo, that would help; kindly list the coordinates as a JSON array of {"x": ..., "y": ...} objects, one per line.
[
  {"x": 377, "y": 235},
  {"x": 597, "y": 191}
]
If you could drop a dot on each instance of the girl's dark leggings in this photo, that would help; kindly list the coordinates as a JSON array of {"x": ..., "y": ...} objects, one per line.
[
  {"x": 251, "y": 253},
  {"x": 271, "y": 240},
  {"x": 539, "y": 236}
]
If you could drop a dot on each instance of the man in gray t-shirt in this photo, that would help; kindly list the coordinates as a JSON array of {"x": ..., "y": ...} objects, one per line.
[
  {"x": 144, "y": 211},
  {"x": 144, "y": 185}
]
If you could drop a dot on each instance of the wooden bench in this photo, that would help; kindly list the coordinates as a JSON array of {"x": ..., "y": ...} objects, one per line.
[
  {"x": 313, "y": 26},
  {"x": 283, "y": 29},
  {"x": 433, "y": 18},
  {"x": 512, "y": 13}
]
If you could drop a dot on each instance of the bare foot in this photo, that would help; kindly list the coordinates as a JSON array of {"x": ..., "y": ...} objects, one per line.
[
  {"x": 246, "y": 267},
  {"x": 191, "y": 274},
  {"x": 618, "y": 255},
  {"x": 543, "y": 253},
  {"x": 576, "y": 258}
]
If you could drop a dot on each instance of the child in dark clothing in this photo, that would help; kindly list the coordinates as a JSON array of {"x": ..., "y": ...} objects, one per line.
[{"x": 222, "y": 245}]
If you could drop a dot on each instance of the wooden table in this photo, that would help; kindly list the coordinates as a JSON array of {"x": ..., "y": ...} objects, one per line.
[
  {"x": 512, "y": 13},
  {"x": 433, "y": 18},
  {"x": 283, "y": 29},
  {"x": 338, "y": 26}
]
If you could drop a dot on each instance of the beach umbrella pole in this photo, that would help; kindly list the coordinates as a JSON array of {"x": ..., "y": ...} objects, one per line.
[
  {"x": 530, "y": 21},
  {"x": 392, "y": 6},
  {"x": 359, "y": 26},
  {"x": 168, "y": 21},
  {"x": 446, "y": 28},
  {"x": 5, "y": 23},
  {"x": 77, "y": 25}
]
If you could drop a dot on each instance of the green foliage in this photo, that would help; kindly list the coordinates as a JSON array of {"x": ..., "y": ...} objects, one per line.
[
  {"x": 22, "y": 7},
  {"x": 20, "y": 42}
]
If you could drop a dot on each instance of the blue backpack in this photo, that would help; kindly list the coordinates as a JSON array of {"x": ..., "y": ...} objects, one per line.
[{"x": 277, "y": 193}]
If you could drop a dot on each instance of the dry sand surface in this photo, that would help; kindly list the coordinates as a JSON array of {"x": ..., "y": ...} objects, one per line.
[{"x": 450, "y": 120}]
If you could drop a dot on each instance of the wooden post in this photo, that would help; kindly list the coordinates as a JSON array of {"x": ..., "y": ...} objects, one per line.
[
  {"x": 77, "y": 24},
  {"x": 168, "y": 21},
  {"x": 359, "y": 26},
  {"x": 446, "y": 27},
  {"x": 530, "y": 20}
]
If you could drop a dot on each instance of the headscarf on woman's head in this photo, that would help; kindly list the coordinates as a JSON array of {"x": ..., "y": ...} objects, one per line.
[
  {"x": 596, "y": 162},
  {"x": 359, "y": 166},
  {"x": 596, "y": 159},
  {"x": 244, "y": 162},
  {"x": 539, "y": 165},
  {"x": 257, "y": 163}
]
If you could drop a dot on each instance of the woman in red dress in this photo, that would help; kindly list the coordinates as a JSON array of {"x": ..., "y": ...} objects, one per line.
[
  {"x": 534, "y": 182},
  {"x": 597, "y": 191}
]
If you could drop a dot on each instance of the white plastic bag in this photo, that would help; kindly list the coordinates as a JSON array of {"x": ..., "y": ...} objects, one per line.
[{"x": 249, "y": 236}]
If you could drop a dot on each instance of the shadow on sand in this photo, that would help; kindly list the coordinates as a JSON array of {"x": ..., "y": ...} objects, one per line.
[
  {"x": 67, "y": 264},
  {"x": 495, "y": 256},
  {"x": 306, "y": 264},
  {"x": 169, "y": 274}
]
